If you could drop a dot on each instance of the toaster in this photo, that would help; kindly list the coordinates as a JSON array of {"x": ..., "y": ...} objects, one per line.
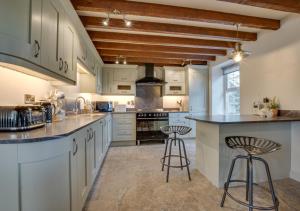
[{"x": 20, "y": 118}]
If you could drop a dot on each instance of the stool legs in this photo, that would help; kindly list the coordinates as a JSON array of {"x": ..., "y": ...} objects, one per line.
[
  {"x": 226, "y": 185},
  {"x": 271, "y": 187},
  {"x": 168, "y": 154},
  {"x": 165, "y": 153},
  {"x": 249, "y": 184},
  {"x": 186, "y": 160}
]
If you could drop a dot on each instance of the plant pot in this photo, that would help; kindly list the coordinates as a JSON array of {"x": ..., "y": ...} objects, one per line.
[{"x": 274, "y": 112}]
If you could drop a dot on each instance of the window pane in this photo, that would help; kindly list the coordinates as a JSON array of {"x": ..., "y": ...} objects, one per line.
[
  {"x": 233, "y": 102},
  {"x": 232, "y": 93},
  {"x": 233, "y": 79}
]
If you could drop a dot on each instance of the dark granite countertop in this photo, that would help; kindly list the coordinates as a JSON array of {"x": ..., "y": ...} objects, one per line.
[
  {"x": 239, "y": 119},
  {"x": 51, "y": 131}
]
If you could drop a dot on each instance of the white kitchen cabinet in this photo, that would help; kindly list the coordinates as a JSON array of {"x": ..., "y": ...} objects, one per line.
[
  {"x": 198, "y": 89},
  {"x": 124, "y": 127},
  {"x": 98, "y": 79},
  {"x": 99, "y": 147},
  {"x": 20, "y": 29},
  {"x": 125, "y": 74},
  {"x": 176, "y": 81},
  {"x": 87, "y": 83},
  {"x": 107, "y": 81}
]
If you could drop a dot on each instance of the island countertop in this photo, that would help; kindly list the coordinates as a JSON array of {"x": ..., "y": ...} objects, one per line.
[
  {"x": 239, "y": 119},
  {"x": 51, "y": 131}
]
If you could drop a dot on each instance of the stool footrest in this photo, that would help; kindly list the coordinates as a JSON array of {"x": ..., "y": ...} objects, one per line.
[
  {"x": 172, "y": 166},
  {"x": 244, "y": 203}
]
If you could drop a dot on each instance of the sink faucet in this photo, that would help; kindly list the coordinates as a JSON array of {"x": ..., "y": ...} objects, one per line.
[{"x": 77, "y": 110}]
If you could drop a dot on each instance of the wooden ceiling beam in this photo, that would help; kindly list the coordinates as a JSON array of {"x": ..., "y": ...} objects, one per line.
[
  {"x": 147, "y": 54},
  {"x": 159, "y": 40},
  {"x": 281, "y": 5},
  {"x": 142, "y": 26},
  {"x": 174, "y": 12},
  {"x": 159, "y": 48},
  {"x": 143, "y": 60}
]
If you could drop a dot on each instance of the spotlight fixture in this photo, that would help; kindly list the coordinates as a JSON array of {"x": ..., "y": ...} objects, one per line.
[
  {"x": 117, "y": 60},
  {"x": 238, "y": 54},
  {"x": 105, "y": 22},
  {"x": 127, "y": 22},
  {"x": 125, "y": 61}
]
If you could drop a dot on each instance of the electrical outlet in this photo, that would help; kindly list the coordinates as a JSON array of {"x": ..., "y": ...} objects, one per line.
[{"x": 29, "y": 99}]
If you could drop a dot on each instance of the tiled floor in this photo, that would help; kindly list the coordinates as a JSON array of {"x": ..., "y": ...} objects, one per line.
[{"x": 131, "y": 179}]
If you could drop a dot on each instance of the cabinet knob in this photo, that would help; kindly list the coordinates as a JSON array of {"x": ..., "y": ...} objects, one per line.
[{"x": 37, "y": 48}]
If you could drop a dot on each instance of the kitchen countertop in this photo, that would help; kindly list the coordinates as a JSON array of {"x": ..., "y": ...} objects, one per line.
[
  {"x": 239, "y": 119},
  {"x": 51, "y": 131}
]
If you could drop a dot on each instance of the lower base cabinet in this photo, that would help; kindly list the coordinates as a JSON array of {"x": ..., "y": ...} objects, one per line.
[{"x": 52, "y": 175}]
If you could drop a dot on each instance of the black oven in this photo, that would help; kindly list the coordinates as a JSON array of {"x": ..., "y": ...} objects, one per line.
[{"x": 148, "y": 126}]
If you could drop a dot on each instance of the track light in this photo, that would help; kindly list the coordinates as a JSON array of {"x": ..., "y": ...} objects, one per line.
[
  {"x": 124, "y": 62},
  {"x": 127, "y": 22},
  {"x": 105, "y": 22},
  {"x": 117, "y": 60}
]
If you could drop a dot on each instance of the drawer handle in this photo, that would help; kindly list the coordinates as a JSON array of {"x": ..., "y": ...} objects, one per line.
[
  {"x": 75, "y": 145},
  {"x": 61, "y": 64},
  {"x": 37, "y": 48},
  {"x": 66, "y": 67}
]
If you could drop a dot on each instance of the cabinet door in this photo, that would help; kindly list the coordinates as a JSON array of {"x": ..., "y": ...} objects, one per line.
[
  {"x": 44, "y": 170},
  {"x": 69, "y": 50},
  {"x": 99, "y": 79},
  {"x": 175, "y": 75},
  {"x": 82, "y": 184},
  {"x": 107, "y": 81},
  {"x": 198, "y": 91},
  {"x": 125, "y": 75},
  {"x": 99, "y": 142},
  {"x": 20, "y": 29},
  {"x": 90, "y": 157},
  {"x": 52, "y": 29}
]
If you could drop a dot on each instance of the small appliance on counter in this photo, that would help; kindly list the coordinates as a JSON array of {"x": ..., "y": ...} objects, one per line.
[
  {"x": 20, "y": 118},
  {"x": 104, "y": 106}
]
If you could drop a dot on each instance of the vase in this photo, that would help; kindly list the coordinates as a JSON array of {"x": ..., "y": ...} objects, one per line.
[{"x": 274, "y": 112}]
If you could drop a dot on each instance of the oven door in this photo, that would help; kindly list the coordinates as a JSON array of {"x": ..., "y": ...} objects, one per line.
[{"x": 149, "y": 129}]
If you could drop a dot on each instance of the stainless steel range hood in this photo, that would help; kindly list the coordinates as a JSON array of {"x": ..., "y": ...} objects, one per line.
[{"x": 149, "y": 79}]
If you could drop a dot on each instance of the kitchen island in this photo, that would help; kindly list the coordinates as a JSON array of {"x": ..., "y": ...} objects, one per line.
[{"x": 213, "y": 157}]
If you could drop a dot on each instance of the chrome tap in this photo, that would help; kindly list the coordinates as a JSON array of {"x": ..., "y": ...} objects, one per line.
[{"x": 77, "y": 110}]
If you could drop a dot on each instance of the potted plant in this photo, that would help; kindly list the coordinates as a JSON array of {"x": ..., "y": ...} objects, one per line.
[{"x": 274, "y": 106}]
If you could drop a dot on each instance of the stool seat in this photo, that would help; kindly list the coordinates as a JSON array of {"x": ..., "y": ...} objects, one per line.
[
  {"x": 181, "y": 130},
  {"x": 252, "y": 145}
]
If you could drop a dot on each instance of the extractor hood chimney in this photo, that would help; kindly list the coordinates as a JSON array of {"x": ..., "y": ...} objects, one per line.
[{"x": 149, "y": 78}]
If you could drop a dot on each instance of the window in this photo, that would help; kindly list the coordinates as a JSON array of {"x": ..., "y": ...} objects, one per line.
[{"x": 232, "y": 89}]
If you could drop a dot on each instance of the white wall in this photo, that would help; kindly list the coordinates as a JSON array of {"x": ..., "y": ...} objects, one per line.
[
  {"x": 273, "y": 69},
  {"x": 13, "y": 86}
]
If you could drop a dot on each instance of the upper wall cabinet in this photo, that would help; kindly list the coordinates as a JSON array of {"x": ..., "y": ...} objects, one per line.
[
  {"x": 20, "y": 29},
  {"x": 176, "y": 81},
  {"x": 40, "y": 35}
]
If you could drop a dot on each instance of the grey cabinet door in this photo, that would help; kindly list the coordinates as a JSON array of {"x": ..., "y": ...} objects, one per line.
[
  {"x": 69, "y": 51},
  {"x": 51, "y": 34},
  {"x": 198, "y": 90},
  {"x": 20, "y": 29}
]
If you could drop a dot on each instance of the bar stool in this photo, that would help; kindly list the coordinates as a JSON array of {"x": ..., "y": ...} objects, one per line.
[
  {"x": 253, "y": 147},
  {"x": 175, "y": 130}
]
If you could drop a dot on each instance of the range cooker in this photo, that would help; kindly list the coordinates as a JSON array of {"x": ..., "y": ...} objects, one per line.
[{"x": 148, "y": 126}]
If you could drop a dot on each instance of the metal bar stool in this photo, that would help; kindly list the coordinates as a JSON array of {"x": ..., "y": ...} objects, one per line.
[
  {"x": 253, "y": 147},
  {"x": 175, "y": 130}
]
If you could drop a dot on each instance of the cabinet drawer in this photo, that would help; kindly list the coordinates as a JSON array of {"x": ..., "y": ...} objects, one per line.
[
  {"x": 124, "y": 116},
  {"x": 178, "y": 115},
  {"x": 124, "y": 88},
  {"x": 175, "y": 89},
  {"x": 123, "y": 135}
]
